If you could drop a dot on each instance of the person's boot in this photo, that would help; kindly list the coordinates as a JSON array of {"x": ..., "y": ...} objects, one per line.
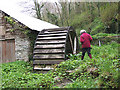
[
  {"x": 90, "y": 56},
  {"x": 82, "y": 57}
]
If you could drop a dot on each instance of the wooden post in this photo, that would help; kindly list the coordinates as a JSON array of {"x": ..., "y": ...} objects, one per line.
[
  {"x": 75, "y": 46},
  {"x": 99, "y": 44},
  {"x": 71, "y": 42}
]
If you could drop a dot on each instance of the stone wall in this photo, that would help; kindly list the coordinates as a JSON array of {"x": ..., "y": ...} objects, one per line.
[{"x": 22, "y": 45}]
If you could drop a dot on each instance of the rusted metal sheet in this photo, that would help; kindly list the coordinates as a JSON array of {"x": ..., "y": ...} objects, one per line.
[{"x": 7, "y": 49}]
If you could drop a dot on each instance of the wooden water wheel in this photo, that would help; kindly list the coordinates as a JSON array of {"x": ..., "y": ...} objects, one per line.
[{"x": 52, "y": 47}]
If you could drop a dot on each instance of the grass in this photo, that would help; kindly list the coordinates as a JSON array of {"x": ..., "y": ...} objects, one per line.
[{"x": 99, "y": 72}]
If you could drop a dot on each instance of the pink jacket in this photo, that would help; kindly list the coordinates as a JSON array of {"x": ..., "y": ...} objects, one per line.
[{"x": 85, "y": 39}]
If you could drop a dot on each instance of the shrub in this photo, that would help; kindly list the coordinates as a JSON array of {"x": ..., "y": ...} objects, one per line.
[
  {"x": 108, "y": 12},
  {"x": 78, "y": 21}
]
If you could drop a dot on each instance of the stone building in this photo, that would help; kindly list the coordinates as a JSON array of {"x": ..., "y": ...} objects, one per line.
[
  {"x": 15, "y": 45},
  {"x": 17, "y": 42}
]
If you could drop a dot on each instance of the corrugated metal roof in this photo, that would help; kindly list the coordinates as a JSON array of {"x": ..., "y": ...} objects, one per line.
[{"x": 31, "y": 22}]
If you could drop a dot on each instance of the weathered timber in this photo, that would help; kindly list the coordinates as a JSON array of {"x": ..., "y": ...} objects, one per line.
[
  {"x": 53, "y": 45},
  {"x": 52, "y": 38},
  {"x": 52, "y": 35},
  {"x": 50, "y": 56},
  {"x": 50, "y": 41},
  {"x": 47, "y": 61},
  {"x": 45, "y": 58},
  {"x": 55, "y": 32},
  {"x": 38, "y": 47},
  {"x": 48, "y": 50}
]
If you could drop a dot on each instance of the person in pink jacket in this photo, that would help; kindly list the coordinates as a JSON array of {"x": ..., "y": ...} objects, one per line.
[{"x": 85, "y": 39}]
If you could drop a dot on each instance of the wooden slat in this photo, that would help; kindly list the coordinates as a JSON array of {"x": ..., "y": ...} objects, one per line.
[
  {"x": 38, "y": 47},
  {"x": 52, "y": 35},
  {"x": 49, "y": 50},
  {"x": 50, "y": 58},
  {"x": 43, "y": 67},
  {"x": 35, "y": 62},
  {"x": 55, "y": 32},
  {"x": 50, "y": 46},
  {"x": 58, "y": 29},
  {"x": 49, "y": 53},
  {"x": 48, "y": 43},
  {"x": 55, "y": 45},
  {"x": 52, "y": 38}
]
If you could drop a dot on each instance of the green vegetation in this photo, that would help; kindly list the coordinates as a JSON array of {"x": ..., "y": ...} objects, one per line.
[
  {"x": 105, "y": 38},
  {"x": 104, "y": 35},
  {"x": 102, "y": 71},
  {"x": 94, "y": 17},
  {"x": 99, "y": 72},
  {"x": 19, "y": 75},
  {"x": 99, "y": 19},
  {"x": 102, "y": 20}
]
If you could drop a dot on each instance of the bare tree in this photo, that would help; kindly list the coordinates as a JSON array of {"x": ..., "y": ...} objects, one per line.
[
  {"x": 59, "y": 11},
  {"x": 38, "y": 8}
]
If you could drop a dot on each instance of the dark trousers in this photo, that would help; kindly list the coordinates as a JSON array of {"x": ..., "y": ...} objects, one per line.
[{"x": 84, "y": 50}]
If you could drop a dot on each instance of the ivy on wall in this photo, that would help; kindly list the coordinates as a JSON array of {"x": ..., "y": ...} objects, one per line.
[{"x": 30, "y": 34}]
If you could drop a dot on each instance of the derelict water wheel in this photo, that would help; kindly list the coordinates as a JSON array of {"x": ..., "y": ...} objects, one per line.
[{"x": 52, "y": 46}]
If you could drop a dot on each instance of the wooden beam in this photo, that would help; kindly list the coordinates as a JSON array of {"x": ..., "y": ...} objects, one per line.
[
  {"x": 52, "y": 35},
  {"x": 49, "y": 58},
  {"x": 49, "y": 43},
  {"x": 71, "y": 42},
  {"x": 35, "y": 62}
]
